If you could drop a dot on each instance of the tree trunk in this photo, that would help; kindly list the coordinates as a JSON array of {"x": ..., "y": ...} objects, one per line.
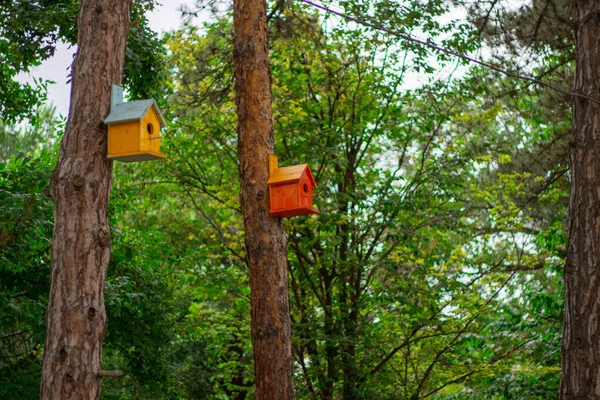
[
  {"x": 581, "y": 338},
  {"x": 265, "y": 237},
  {"x": 79, "y": 187}
]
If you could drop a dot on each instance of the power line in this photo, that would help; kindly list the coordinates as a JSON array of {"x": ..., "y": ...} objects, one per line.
[{"x": 436, "y": 47}]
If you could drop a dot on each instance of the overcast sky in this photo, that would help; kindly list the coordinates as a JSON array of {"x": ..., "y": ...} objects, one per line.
[{"x": 164, "y": 18}]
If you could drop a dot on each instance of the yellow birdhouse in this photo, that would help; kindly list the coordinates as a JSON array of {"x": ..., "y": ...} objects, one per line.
[{"x": 133, "y": 129}]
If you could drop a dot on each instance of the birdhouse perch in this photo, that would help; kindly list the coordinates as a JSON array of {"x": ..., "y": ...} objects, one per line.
[
  {"x": 290, "y": 190},
  {"x": 133, "y": 129}
]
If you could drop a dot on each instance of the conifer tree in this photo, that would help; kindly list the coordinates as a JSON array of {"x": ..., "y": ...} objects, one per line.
[{"x": 80, "y": 187}]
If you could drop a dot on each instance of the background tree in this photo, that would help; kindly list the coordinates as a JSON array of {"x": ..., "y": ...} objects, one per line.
[{"x": 580, "y": 345}]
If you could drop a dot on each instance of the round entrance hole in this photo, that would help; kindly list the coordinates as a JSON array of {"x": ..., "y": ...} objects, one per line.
[
  {"x": 150, "y": 129},
  {"x": 305, "y": 187}
]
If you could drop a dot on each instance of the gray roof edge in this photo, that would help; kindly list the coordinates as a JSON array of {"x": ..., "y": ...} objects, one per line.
[
  {"x": 163, "y": 124},
  {"x": 115, "y": 114}
]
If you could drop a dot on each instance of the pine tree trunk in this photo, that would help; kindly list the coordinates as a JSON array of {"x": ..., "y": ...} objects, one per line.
[
  {"x": 265, "y": 237},
  {"x": 79, "y": 187},
  {"x": 581, "y": 338}
]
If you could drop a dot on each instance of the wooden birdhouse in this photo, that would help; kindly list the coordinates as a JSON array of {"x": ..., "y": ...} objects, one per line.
[
  {"x": 133, "y": 129},
  {"x": 291, "y": 190}
]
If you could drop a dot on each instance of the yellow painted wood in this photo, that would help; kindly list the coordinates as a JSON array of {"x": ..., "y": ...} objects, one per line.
[
  {"x": 133, "y": 140},
  {"x": 272, "y": 164},
  {"x": 150, "y": 131},
  {"x": 123, "y": 137},
  {"x": 287, "y": 174}
]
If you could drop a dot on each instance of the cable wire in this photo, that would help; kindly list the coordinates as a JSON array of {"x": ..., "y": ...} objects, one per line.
[{"x": 436, "y": 47}]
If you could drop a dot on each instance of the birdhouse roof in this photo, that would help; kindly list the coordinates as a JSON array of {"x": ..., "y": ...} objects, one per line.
[
  {"x": 291, "y": 174},
  {"x": 133, "y": 111}
]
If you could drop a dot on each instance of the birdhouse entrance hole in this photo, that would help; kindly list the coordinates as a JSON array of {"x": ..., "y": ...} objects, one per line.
[
  {"x": 150, "y": 129},
  {"x": 305, "y": 187}
]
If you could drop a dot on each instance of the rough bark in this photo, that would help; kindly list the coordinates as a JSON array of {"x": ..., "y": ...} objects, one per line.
[
  {"x": 265, "y": 237},
  {"x": 79, "y": 187},
  {"x": 581, "y": 339}
]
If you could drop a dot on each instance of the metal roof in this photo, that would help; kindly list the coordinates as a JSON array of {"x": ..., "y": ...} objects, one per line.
[
  {"x": 291, "y": 174},
  {"x": 133, "y": 111}
]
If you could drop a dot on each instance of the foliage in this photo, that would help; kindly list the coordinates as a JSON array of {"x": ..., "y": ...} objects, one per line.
[
  {"x": 428, "y": 245},
  {"x": 26, "y": 220},
  {"x": 29, "y": 32},
  {"x": 139, "y": 294},
  {"x": 434, "y": 269}
]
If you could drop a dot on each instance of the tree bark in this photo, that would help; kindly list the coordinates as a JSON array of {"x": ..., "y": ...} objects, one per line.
[
  {"x": 79, "y": 187},
  {"x": 265, "y": 237},
  {"x": 581, "y": 337}
]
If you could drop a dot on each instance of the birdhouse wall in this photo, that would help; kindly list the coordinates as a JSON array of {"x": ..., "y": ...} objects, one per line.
[
  {"x": 124, "y": 137},
  {"x": 277, "y": 198},
  {"x": 150, "y": 128},
  {"x": 305, "y": 189},
  {"x": 284, "y": 197},
  {"x": 291, "y": 195}
]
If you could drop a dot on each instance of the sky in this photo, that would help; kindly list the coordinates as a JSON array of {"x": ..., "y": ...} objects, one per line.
[{"x": 165, "y": 17}]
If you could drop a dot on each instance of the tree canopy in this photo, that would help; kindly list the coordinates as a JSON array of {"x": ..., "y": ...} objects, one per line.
[{"x": 435, "y": 266}]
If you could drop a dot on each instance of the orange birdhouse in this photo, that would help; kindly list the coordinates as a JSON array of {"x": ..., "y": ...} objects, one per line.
[
  {"x": 291, "y": 189},
  {"x": 133, "y": 129}
]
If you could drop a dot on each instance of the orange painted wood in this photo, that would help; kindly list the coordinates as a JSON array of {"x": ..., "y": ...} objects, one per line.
[
  {"x": 290, "y": 191},
  {"x": 290, "y": 196},
  {"x": 277, "y": 203}
]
